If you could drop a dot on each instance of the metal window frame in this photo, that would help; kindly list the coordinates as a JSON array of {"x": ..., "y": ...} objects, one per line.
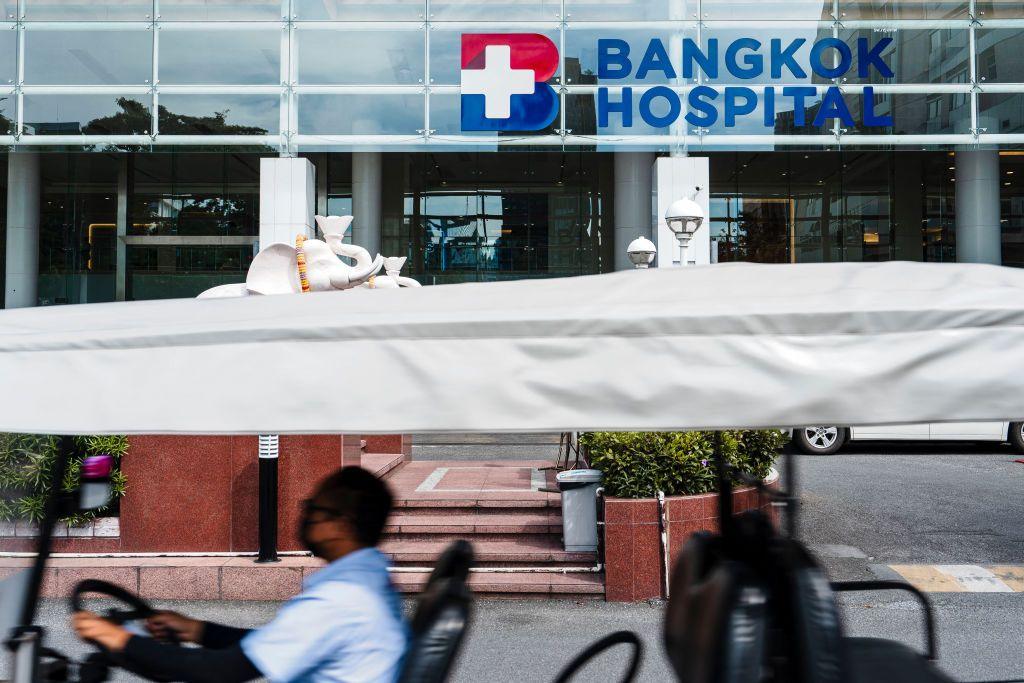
[{"x": 289, "y": 140}]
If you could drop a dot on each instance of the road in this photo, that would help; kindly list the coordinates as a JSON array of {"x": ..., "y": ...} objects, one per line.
[{"x": 865, "y": 510}]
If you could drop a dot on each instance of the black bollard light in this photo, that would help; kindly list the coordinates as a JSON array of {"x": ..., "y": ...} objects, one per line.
[{"x": 268, "y": 452}]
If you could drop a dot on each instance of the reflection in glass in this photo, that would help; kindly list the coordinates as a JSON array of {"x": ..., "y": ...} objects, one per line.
[
  {"x": 786, "y": 34},
  {"x": 219, "y": 10},
  {"x": 507, "y": 10},
  {"x": 446, "y": 54},
  {"x": 913, "y": 113},
  {"x": 183, "y": 272},
  {"x": 482, "y": 217},
  {"x": 581, "y": 54},
  {"x": 218, "y": 114},
  {"x": 931, "y": 55},
  {"x": 385, "y": 57},
  {"x": 7, "y": 105},
  {"x": 8, "y": 53},
  {"x": 631, "y": 10},
  {"x": 84, "y": 10},
  {"x": 358, "y": 10},
  {"x": 360, "y": 114},
  {"x": 770, "y": 10},
  {"x": 96, "y": 57},
  {"x": 902, "y": 9},
  {"x": 77, "y": 227},
  {"x": 235, "y": 57},
  {"x": 86, "y": 115},
  {"x": 1011, "y": 211},
  {"x": 1000, "y": 9},
  {"x": 205, "y": 194},
  {"x": 999, "y": 55},
  {"x": 1001, "y": 112}
]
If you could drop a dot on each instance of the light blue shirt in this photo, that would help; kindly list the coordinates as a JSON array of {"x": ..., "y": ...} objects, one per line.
[{"x": 346, "y": 626}]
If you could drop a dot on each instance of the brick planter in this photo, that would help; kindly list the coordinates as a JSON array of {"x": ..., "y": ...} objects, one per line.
[{"x": 632, "y": 536}]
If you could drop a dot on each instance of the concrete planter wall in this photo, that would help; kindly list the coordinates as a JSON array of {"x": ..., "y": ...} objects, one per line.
[{"x": 632, "y": 534}]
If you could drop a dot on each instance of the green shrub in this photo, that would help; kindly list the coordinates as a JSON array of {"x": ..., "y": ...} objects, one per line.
[
  {"x": 639, "y": 464},
  {"x": 26, "y": 472}
]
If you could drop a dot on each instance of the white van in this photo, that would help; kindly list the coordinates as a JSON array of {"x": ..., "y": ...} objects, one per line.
[{"x": 827, "y": 439}]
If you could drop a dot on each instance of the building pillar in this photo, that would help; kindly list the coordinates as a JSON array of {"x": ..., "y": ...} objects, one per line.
[
  {"x": 366, "y": 200},
  {"x": 681, "y": 178},
  {"x": 978, "y": 231},
  {"x": 632, "y": 202},
  {"x": 21, "y": 278},
  {"x": 287, "y": 199}
]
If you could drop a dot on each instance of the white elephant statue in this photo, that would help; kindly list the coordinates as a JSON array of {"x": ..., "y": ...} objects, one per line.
[
  {"x": 275, "y": 270},
  {"x": 392, "y": 279}
]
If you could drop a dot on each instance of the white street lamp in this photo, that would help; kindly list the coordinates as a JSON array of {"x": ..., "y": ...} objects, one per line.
[
  {"x": 684, "y": 217},
  {"x": 641, "y": 252}
]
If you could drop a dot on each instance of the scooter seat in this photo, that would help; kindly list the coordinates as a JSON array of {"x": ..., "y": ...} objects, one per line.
[{"x": 876, "y": 660}]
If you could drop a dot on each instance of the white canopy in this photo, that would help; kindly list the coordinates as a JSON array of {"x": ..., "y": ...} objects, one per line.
[{"x": 702, "y": 347}]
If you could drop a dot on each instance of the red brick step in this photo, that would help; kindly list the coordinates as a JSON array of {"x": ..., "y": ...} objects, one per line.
[{"x": 516, "y": 584}]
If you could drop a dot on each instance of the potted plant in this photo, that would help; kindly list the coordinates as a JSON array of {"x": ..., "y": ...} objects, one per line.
[{"x": 659, "y": 488}]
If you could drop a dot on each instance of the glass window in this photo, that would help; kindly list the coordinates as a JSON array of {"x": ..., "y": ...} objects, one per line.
[
  {"x": 229, "y": 57},
  {"x": 83, "y": 10},
  {"x": 88, "y": 57},
  {"x": 581, "y": 54},
  {"x": 903, "y": 9},
  {"x": 1000, "y": 9},
  {"x": 767, "y": 10},
  {"x": 385, "y": 57},
  {"x": 358, "y": 10},
  {"x": 751, "y": 61},
  {"x": 87, "y": 115},
  {"x": 911, "y": 113},
  {"x": 446, "y": 118},
  {"x": 1011, "y": 198},
  {"x": 928, "y": 55},
  {"x": 201, "y": 194},
  {"x": 505, "y": 10},
  {"x": 581, "y": 116},
  {"x": 8, "y": 53},
  {"x": 360, "y": 114},
  {"x": 7, "y": 118},
  {"x": 219, "y": 115},
  {"x": 446, "y": 55},
  {"x": 77, "y": 228},
  {"x": 999, "y": 55},
  {"x": 631, "y": 10},
  {"x": 183, "y": 272},
  {"x": 1001, "y": 112},
  {"x": 219, "y": 10}
]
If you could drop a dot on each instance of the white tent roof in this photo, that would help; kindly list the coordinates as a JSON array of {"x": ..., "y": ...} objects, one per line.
[{"x": 702, "y": 347}]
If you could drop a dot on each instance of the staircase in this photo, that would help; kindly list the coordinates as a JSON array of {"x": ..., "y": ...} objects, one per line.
[{"x": 514, "y": 527}]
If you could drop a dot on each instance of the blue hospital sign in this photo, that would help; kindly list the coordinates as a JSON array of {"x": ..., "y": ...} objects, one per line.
[
  {"x": 744, "y": 59},
  {"x": 504, "y": 82}
]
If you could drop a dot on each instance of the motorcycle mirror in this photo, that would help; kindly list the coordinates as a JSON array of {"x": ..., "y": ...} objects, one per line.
[{"x": 96, "y": 487}]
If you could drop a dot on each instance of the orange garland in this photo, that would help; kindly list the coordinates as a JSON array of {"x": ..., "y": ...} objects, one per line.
[{"x": 301, "y": 258}]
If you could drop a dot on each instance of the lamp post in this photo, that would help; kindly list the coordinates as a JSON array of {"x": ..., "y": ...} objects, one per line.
[
  {"x": 268, "y": 452},
  {"x": 641, "y": 252},
  {"x": 684, "y": 217}
]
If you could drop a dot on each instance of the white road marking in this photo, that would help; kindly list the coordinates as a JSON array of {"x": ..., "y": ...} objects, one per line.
[
  {"x": 432, "y": 480},
  {"x": 974, "y": 579}
]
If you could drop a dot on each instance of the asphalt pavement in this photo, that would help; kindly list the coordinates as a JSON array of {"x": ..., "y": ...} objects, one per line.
[{"x": 865, "y": 510}]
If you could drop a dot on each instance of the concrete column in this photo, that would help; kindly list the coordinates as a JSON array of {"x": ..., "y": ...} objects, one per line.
[
  {"x": 366, "y": 200},
  {"x": 632, "y": 202},
  {"x": 678, "y": 178},
  {"x": 978, "y": 233},
  {"x": 287, "y": 199},
  {"x": 23, "y": 198}
]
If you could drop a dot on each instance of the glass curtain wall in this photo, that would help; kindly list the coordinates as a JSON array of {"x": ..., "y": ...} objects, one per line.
[
  {"x": 778, "y": 207},
  {"x": 473, "y": 217},
  {"x": 308, "y": 75}
]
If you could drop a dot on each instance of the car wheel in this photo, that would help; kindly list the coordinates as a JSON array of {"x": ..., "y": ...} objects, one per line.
[
  {"x": 820, "y": 439},
  {"x": 1017, "y": 436}
]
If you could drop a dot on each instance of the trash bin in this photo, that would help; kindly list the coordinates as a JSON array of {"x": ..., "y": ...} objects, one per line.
[{"x": 579, "y": 508}]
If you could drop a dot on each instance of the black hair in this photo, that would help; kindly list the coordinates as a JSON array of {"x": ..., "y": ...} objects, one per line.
[{"x": 359, "y": 497}]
